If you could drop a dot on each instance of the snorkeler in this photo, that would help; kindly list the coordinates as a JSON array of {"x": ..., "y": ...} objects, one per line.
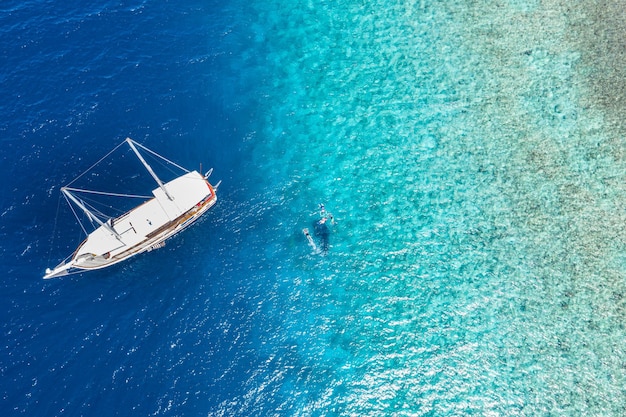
[
  {"x": 310, "y": 240},
  {"x": 325, "y": 215},
  {"x": 322, "y": 232}
]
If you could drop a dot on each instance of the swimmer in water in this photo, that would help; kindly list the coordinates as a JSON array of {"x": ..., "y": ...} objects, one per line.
[
  {"x": 326, "y": 215},
  {"x": 310, "y": 240}
]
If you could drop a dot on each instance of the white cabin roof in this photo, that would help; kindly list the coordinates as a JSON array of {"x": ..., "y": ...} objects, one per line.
[{"x": 134, "y": 227}]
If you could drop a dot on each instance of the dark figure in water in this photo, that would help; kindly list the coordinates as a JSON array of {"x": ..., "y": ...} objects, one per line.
[{"x": 322, "y": 232}]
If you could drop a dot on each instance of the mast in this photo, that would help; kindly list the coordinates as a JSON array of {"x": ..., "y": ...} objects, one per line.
[
  {"x": 148, "y": 167},
  {"x": 89, "y": 214}
]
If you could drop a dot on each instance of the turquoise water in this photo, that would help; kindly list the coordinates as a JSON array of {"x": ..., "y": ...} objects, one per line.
[
  {"x": 470, "y": 152},
  {"x": 476, "y": 267}
]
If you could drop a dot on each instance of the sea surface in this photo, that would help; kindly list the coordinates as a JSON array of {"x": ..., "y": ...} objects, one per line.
[{"x": 471, "y": 153}]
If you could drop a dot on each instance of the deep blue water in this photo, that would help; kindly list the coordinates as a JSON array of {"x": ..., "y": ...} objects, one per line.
[
  {"x": 476, "y": 266},
  {"x": 77, "y": 78}
]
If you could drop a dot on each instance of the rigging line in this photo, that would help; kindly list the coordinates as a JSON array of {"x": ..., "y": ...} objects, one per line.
[
  {"x": 93, "y": 210},
  {"x": 93, "y": 203},
  {"x": 91, "y": 167},
  {"x": 66, "y": 258},
  {"x": 75, "y": 215},
  {"x": 159, "y": 156},
  {"x": 80, "y": 190},
  {"x": 54, "y": 228},
  {"x": 92, "y": 206},
  {"x": 96, "y": 211},
  {"x": 163, "y": 164}
]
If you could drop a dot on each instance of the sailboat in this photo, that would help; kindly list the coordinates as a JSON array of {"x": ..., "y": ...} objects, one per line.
[{"x": 173, "y": 206}]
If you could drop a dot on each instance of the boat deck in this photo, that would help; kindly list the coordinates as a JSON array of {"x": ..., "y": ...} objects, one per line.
[{"x": 140, "y": 224}]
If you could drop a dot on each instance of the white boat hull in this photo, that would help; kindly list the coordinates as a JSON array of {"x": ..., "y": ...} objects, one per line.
[{"x": 145, "y": 227}]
